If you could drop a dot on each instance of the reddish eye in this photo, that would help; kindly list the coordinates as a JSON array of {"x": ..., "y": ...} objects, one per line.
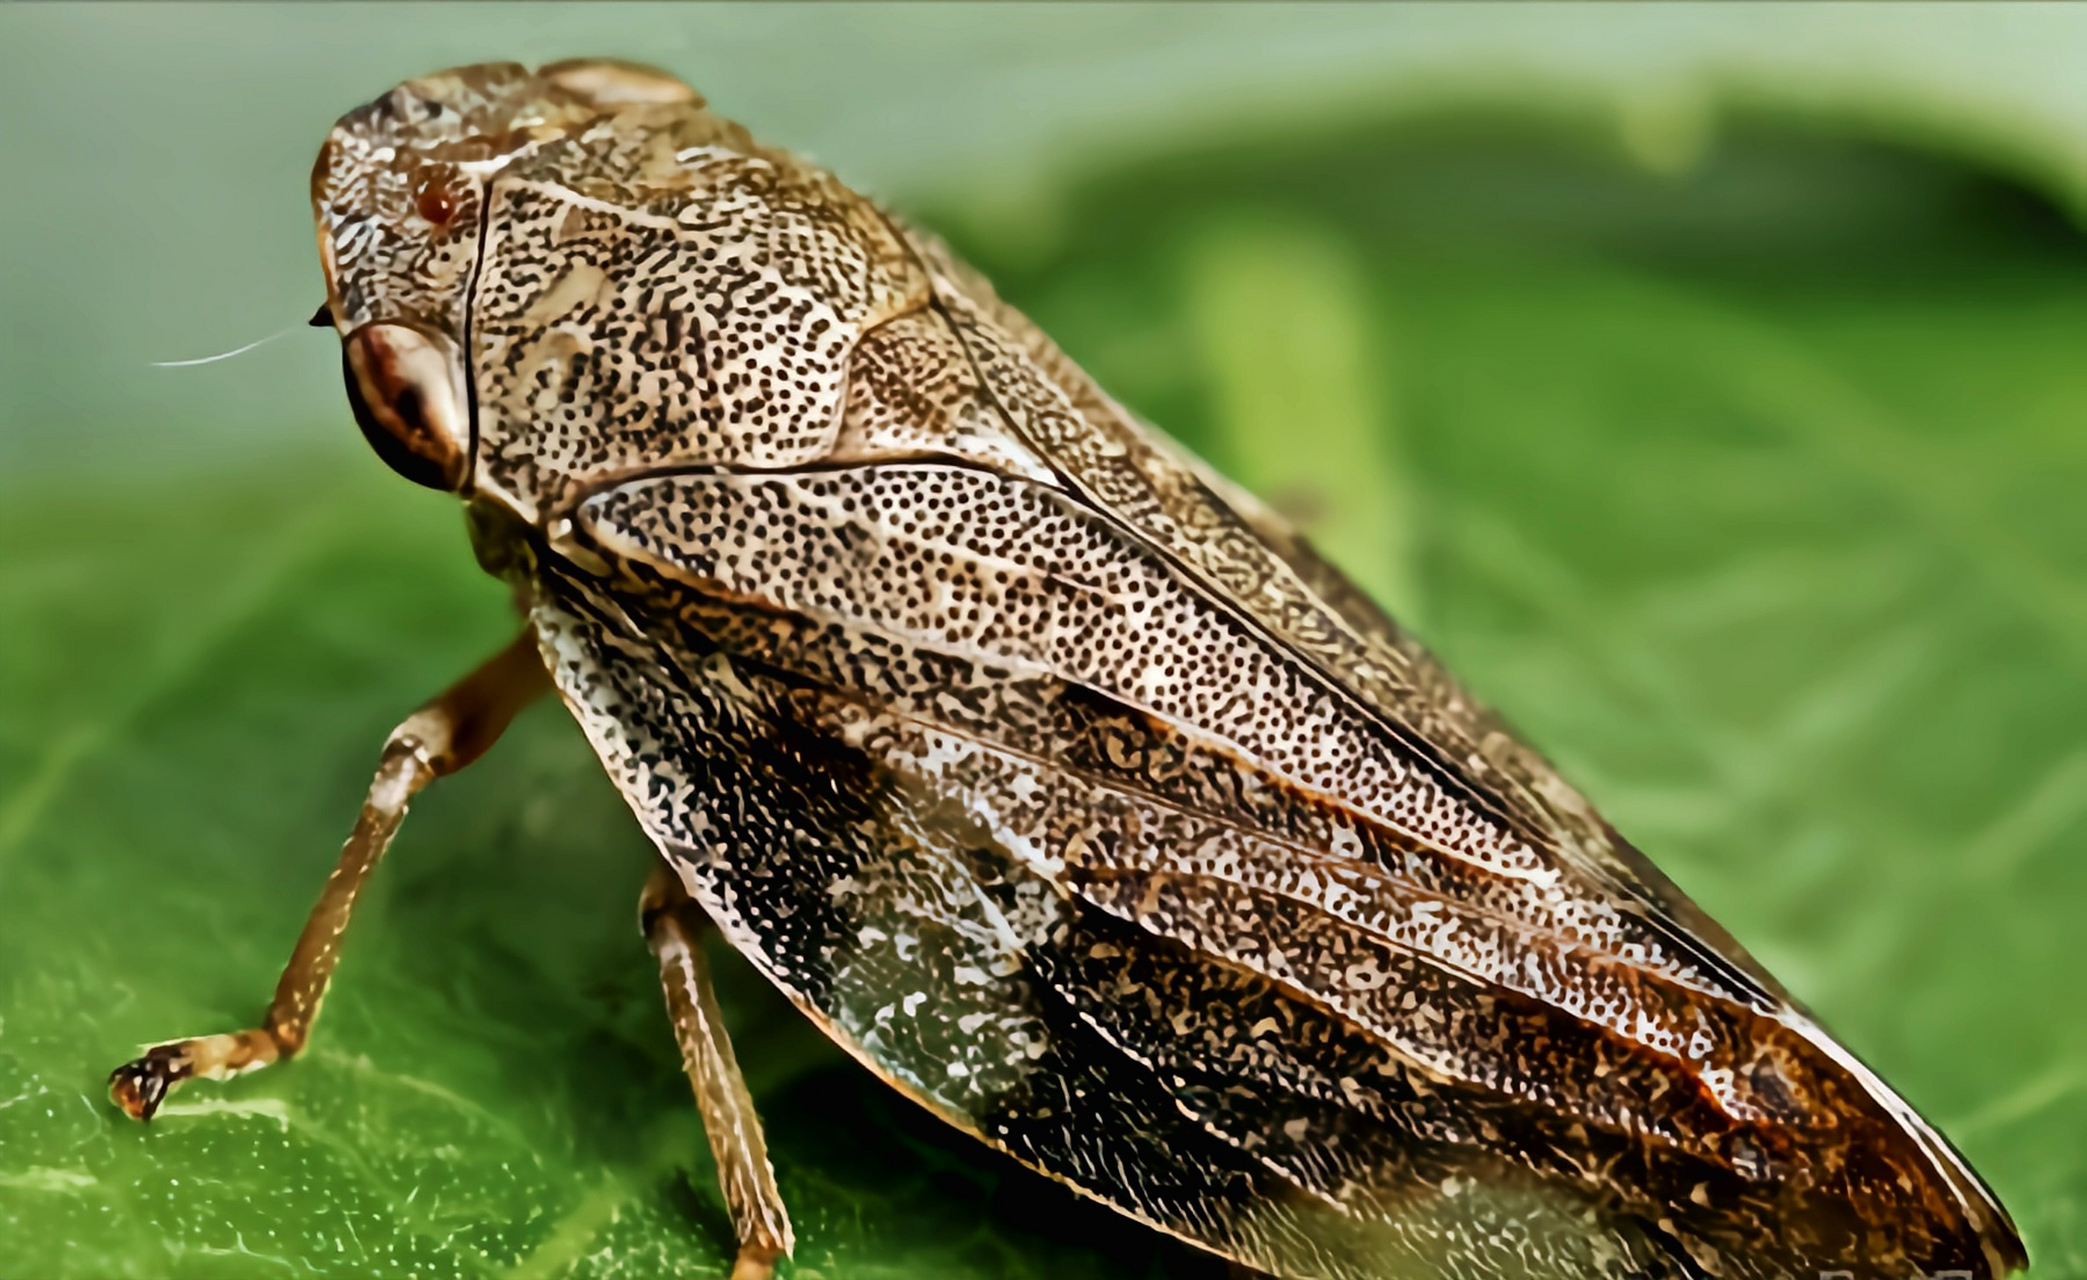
[{"x": 436, "y": 202}]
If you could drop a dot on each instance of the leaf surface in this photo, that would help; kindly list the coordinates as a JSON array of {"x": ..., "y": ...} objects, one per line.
[{"x": 1768, "y": 528}]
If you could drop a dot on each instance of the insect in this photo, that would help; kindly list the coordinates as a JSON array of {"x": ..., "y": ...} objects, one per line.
[{"x": 1051, "y": 775}]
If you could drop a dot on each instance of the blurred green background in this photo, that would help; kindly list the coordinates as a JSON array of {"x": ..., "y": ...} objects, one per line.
[{"x": 1704, "y": 384}]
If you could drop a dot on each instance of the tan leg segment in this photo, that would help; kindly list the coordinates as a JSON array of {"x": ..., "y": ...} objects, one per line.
[
  {"x": 674, "y": 927},
  {"x": 440, "y": 738}
]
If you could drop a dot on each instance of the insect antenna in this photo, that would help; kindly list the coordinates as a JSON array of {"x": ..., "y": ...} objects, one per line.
[{"x": 226, "y": 355}]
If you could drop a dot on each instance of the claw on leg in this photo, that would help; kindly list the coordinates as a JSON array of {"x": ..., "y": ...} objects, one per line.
[{"x": 140, "y": 1085}]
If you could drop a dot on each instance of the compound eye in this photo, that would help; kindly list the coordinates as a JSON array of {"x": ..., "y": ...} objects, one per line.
[{"x": 403, "y": 386}]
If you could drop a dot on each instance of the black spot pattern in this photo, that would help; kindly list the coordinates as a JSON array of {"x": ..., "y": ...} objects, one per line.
[{"x": 1054, "y": 776}]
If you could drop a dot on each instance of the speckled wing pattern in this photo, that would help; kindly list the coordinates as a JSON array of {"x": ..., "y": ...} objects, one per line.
[
  {"x": 1060, "y": 782},
  {"x": 1091, "y": 823}
]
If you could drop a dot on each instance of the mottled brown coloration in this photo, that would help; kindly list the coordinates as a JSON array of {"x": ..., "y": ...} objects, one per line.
[{"x": 1053, "y": 776}]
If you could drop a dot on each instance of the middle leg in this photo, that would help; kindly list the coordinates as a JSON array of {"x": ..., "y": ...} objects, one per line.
[{"x": 674, "y": 927}]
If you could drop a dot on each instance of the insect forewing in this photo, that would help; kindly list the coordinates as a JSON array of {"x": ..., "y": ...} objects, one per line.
[{"x": 1066, "y": 787}]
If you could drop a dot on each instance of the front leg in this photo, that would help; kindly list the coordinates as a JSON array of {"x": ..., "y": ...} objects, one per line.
[
  {"x": 674, "y": 926},
  {"x": 440, "y": 738}
]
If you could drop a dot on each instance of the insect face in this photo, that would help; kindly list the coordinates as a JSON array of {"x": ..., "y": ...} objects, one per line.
[
  {"x": 585, "y": 276},
  {"x": 400, "y": 195},
  {"x": 400, "y": 208}
]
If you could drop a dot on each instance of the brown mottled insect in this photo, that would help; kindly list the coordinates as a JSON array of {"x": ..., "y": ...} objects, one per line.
[{"x": 1051, "y": 775}]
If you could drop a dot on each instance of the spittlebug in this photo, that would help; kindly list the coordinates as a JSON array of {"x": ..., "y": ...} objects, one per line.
[{"x": 1052, "y": 776}]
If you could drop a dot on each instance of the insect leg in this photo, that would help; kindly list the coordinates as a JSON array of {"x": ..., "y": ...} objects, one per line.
[
  {"x": 674, "y": 927},
  {"x": 442, "y": 737}
]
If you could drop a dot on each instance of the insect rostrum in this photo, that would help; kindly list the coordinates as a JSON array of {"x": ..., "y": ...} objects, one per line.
[{"x": 1051, "y": 775}]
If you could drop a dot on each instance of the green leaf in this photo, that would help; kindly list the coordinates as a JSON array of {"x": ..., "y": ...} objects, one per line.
[
  {"x": 1298, "y": 378},
  {"x": 1766, "y": 525}
]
